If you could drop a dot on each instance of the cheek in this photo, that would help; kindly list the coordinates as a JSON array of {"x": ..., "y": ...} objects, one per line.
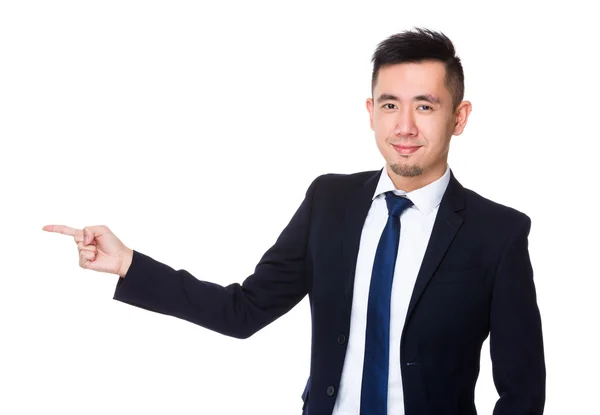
[
  {"x": 383, "y": 126},
  {"x": 381, "y": 137},
  {"x": 433, "y": 130},
  {"x": 429, "y": 125}
]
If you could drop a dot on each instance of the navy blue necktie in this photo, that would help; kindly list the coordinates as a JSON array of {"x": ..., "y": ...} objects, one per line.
[{"x": 374, "y": 393}]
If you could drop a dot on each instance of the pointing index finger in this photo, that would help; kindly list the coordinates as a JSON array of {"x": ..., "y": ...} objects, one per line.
[{"x": 65, "y": 230}]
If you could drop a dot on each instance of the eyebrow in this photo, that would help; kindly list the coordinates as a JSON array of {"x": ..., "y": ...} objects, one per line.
[{"x": 424, "y": 97}]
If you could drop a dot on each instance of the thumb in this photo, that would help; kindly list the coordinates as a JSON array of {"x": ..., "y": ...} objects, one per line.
[
  {"x": 87, "y": 236},
  {"x": 90, "y": 232}
]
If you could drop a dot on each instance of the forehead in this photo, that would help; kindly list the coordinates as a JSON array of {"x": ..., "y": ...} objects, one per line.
[{"x": 409, "y": 79}]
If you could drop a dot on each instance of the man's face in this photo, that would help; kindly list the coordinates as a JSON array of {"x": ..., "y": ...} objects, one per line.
[{"x": 413, "y": 118}]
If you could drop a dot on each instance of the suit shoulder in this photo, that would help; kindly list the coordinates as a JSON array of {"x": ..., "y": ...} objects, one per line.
[
  {"x": 346, "y": 179},
  {"x": 494, "y": 211},
  {"x": 333, "y": 187}
]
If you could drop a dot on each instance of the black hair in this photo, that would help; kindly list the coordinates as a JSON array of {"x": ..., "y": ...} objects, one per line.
[{"x": 419, "y": 45}]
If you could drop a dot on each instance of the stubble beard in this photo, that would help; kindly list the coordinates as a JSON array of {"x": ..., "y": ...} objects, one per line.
[{"x": 406, "y": 170}]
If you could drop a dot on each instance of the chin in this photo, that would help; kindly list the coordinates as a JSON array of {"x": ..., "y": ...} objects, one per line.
[{"x": 406, "y": 169}]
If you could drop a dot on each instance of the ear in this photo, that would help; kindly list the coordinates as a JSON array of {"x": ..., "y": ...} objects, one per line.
[
  {"x": 462, "y": 114},
  {"x": 370, "y": 108}
]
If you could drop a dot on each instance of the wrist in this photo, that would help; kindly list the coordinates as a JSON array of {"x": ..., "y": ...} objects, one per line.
[{"x": 126, "y": 262}]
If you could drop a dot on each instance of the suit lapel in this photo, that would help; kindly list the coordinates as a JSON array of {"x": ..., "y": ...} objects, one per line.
[
  {"x": 446, "y": 225},
  {"x": 355, "y": 212}
]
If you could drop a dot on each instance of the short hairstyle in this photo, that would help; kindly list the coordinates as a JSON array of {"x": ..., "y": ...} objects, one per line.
[{"x": 419, "y": 45}]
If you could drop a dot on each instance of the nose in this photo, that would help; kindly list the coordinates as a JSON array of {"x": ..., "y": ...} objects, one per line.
[{"x": 405, "y": 124}]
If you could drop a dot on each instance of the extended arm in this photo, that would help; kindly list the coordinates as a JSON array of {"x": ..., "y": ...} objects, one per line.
[{"x": 278, "y": 283}]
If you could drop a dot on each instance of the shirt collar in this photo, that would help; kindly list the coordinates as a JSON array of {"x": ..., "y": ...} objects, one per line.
[{"x": 425, "y": 199}]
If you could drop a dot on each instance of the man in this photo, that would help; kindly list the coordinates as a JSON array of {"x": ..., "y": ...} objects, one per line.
[{"x": 407, "y": 272}]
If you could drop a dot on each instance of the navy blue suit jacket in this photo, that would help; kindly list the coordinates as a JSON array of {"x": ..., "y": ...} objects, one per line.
[{"x": 476, "y": 279}]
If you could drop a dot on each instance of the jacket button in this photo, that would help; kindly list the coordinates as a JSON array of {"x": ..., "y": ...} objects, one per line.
[
  {"x": 330, "y": 390},
  {"x": 341, "y": 339}
]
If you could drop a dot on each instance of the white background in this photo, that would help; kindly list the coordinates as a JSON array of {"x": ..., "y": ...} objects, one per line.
[{"x": 150, "y": 117}]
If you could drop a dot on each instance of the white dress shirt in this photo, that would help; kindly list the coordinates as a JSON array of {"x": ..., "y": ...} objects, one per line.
[{"x": 416, "y": 224}]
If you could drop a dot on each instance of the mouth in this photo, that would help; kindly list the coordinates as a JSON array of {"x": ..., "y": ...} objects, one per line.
[{"x": 405, "y": 149}]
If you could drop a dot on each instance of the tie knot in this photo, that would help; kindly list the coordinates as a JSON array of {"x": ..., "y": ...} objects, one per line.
[{"x": 396, "y": 204}]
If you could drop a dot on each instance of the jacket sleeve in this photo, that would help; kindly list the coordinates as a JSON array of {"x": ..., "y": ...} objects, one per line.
[
  {"x": 516, "y": 343},
  {"x": 278, "y": 283}
]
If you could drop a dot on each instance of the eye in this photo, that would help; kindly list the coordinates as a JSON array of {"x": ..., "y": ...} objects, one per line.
[
  {"x": 389, "y": 106},
  {"x": 425, "y": 107}
]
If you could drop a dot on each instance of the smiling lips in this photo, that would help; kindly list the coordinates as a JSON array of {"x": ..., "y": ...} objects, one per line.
[{"x": 405, "y": 149}]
